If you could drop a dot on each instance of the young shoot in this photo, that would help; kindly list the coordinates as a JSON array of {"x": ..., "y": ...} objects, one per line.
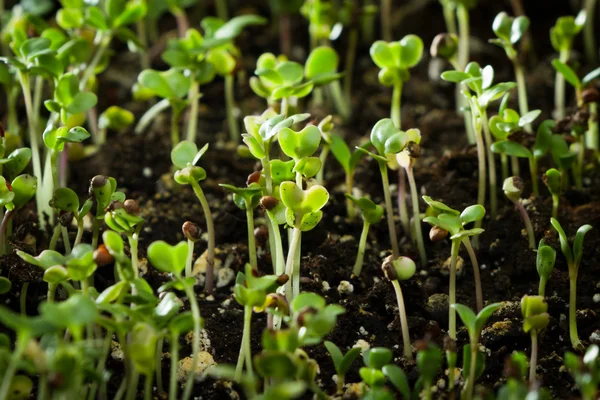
[
  {"x": 321, "y": 68},
  {"x": 544, "y": 263},
  {"x": 407, "y": 159},
  {"x": 377, "y": 368},
  {"x": 448, "y": 220},
  {"x": 349, "y": 161},
  {"x": 103, "y": 190},
  {"x": 192, "y": 233},
  {"x": 326, "y": 127},
  {"x": 341, "y": 362},
  {"x": 473, "y": 359},
  {"x": 123, "y": 218},
  {"x": 535, "y": 319},
  {"x": 371, "y": 213},
  {"x": 395, "y": 59},
  {"x": 114, "y": 118},
  {"x": 13, "y": 196},
  {"x": 429, "y": 362},
  {"x": 562, "y": 35},
  {"x": 573, "y": 256},
  {"x": 553, "y": 181},
  {"x": 185, "y": 156},
  {"x": 513, "y": 188},
  {"x": 400, "y": 269},
  {"x": 66, "y": 201},
  {"x": 503, "y": 126},
  {"x": 585, "y": 371}
]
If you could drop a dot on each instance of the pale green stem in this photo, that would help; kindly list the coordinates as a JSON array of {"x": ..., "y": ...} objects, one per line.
[
  {"x": 522, "y": 90},
  {"x": 542, "y": 287},
  {"x": 396, "y": 102},
  {"x": 386, "y": 20},
  {"x": 15, "y": 359},
  {"x": 449, "y": 17},
  {"x": 476, "y": 275},
  {"x": 134, "y": 379},
  {"x": 158, "y": 362},
  {"x": 402, "y": 207},
  {"x": 175, "y": 136},
  {"x": 349, "y": 65},
  {"x": 389, "y": 210},
  {"x": 95, "y": 232},
  {"x": 79, "y": 235},
  {"x": 463, "y": 40},
  {"x": 174, "y": 360},
  {"x": 340, "y": 103},
  {"x": 589, "y": 38},
  {"x": 573, "y": 312},
  {"x": 350, "y": 207},
  {"x": 527, "y": 221},
  {"x": 54, "y": 238},
  {"x": 143, "y": 36},
  {"x": 66, "y": 241},
  {"x": 148, "y": 386},
  {"x": 280, "y": 261},
  {"x": 578, "y": 171},
  {"x": 210, "y": 259},
  {"x": 289, "y": 266},
  {"x": 452, "y": 289},
  {"x": 89, "y": 71},
  {"x": 481, "y": 170},
  {"x": 133, "y": 249},
  {"x": 192, "y": 127},
  {"x": 151, "y": 113},
  {"x": 189, "y": 259},
  {"x": 491, "y": 164},
  {"x": 559, "y": 88},
  {"x": 358, "y": 264},
  {"x": 245, "y": 355},
  {"x": 555, "y": 202},
  {"x": 37, "y": 98},
  {"x": 514, "y": 165},
  {"x": 23, "y": 299},
  {"x": 323, "y": 158},
  {"x": 189, "y": 291},
  {"x": 504, "y": 164},
  {"x": 284, "y": 106},
  {"x": 51, "y": 292},
  {"x": 251, "y": 241},
  {"x": 234, "y": 130},
  {"x": 222, "y": 12},
  {"x": 534, "y": 356},
  {"x": 403, "y": 321},
  {"x": 471, "y": 380},
  {"x": 416, "y": 215},
  {"x": 591, "y": 136}
]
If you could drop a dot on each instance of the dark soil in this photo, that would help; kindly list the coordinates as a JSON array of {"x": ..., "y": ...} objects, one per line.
[{"x": 446, "y": 171}]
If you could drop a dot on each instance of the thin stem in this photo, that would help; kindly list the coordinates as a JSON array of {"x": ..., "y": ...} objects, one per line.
[
  {"x": 578, "y": 171},
  {"x": 592, "y": 134},
  {"x": 95, "y": 232},
  {"x": 289, "y": 266},
  {"x": 234, "y": 130},
  {"x": 350, "y": 207},
  {"x": 90, "y": 69},
  {"x": 37, "y": 98},
  {"x": 54, "y": 238},
  {"x": 148, "y": 386},
  {"x": 192, "y": 127},
  {"x": 542, "y": 287},
  {"x": 396, "y": 102},
  {"x": 339, "y": 101},
  {"x": 143, "y": 36},
  {"x": 349, "y": 65},
  {"x": 452, "y": 289},
  {"x": 133, "y": 249},
  {"x": 514, "y": 165},
  {"x": 175, "y": 136},
  {"x": 476, "y": 275},
  {"x": 527, "y": 221},
  {"x": 416, "y": 215},
  {"x": 491, "y": 163},
  {"x": 389, "y": 210},
  {"x": 210, "y": 259},
  {"x": 182, "y": 21},
  {"x": 51, "y": 292},
  {"x": 12, "y": 365},
  {"x": 559, "y": 88},
  {"x": 79, "y": 235},
  {"x": 189, "y": 259},
  {"x": 402, "y": 207},
  {"x": 158, "y": 362},
  {"x": 323, "y": 158},
  {"x": 358, "y": 264},
  {"x": 23, "y": 299},
  {"x": 504, "y": 165},
  {"x": 463, "y": 39},
  {"x": 403, "y": 321},
  {"x": 189, "y": 291},
  {"x": 134, "y": 379},
  {"x": 3, "y": 227},
  {"x": 555, "y": 202},
  {"x": 174, "y": 360},
  {"x": 533, "y": 169},
  {"x": 522, "y": 90},
  {"x": 151, "y": 113},
  {"x": 276, "y": 233},
  {"x": 591, "y": 51},
  {"x": 449, "y": 17},
  {"x": 573, "y": 312},
  {"x": 473, "y": 366},
  {"x": 534, "y": 356},
  {"x": 221, "y": 6},
  {"x": 66, "y": 241},
  {"x": 386, "y": 20},
  {"x": 251, "y": 240},
  {"x": 284, "y": 106},
  {"x": 481, "y": 168},
  {"x": 248, "y": 349}
]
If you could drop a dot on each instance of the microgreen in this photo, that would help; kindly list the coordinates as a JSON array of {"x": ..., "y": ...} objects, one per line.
[
  {"x": 455, "y": 222},
  {"x": 573, "y": 256},
  {"x": 371, "y": 213},
  {"x": 66, "y": 200},
  {"x": 321, "y": 68},
  {"x": 124, "y": 218},
  {"x": 474, "y": 360},
  {"x": 535, "y": 319},
  {"x": 341, "y": 362},
  {"x": 377, "y": 369},
  {"x": 513, "y": 188},
  {"x": 184, "y": 156},
  {"x": 402, "y": 268},
  {"x": 429, "y": 362},
  {"x": 503, "y": 126},
  {"x": 103, "y": 189},
  {"x": 13, "y": 196},
  {"x": 546, "y": 257},
  {"x": 395, "y": 59},
  {"x": 562, "y": 35},
  {"x": 553, "y": 181},
  {"x": 326, "y": 127},
  {"x": 585, "y": 370},
  {"x": 113, "y": 118},
  {"x": 349, "y": 161}
]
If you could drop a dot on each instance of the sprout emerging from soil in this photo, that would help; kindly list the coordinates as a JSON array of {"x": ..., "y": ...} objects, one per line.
[
  {"x": 429, "y": 362},
  {"x": 377, "y": 368},
  {"x": 553, "y": 181},
  {"x": 473, "y": 359},
  {"x": 341, "y": 362},
  {"x": 585, "y": 371},
  {"x": 546, "y": 257},
  {"x": 535, "y": 319},
  {"x": 454, "y": 222},
  {"x": 371, "y": 213},
  {"x": 573, "y": 256},
  {"x": 400, "y": 269},
  {"x": 513, "y": 188}
]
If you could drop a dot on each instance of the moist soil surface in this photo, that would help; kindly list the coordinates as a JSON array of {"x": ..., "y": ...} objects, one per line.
[{"x": 446, "y": 171}]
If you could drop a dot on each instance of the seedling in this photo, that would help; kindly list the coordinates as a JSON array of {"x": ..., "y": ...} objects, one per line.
[
  {"x": 303, "y": 213},
  {"x": 371, "y": 213},
  {"x": 535, "y": 319},
  {"x": 562, "y": 35},
  {"x": 377, "y": 368},
  {"x": 454, "y": 222},
  {"x": 123, "y": 218},
  {"x": 450, "y": 352},
  {"x": 585, "y": 371},
  {"x": 509, "y": 30},
  {"x": 515, "y": 370},
  {"x": 279, "y": 79},
  {"x": 113, "y": 118},
  {"x": 429, "y": 362},
  {"x": 185, "y": 156},
  {"x": 553, "y": 181},
  {"x": 573, "y": 256},
  {"x": 250, "y": 291},
  {"x": 402, "y": 268},
  {"x": 513, "y": 188},
  {"x": 388, "y": 140},
  {"x": 474, "y": 360},
  {"x": 407, "y": 159},
  {"x": 104, "y": 191},
  {"x": 66, "y": 201},
  {"x": 321, "y": 68},
  {"x": 13, "y": 196},
  {"x": 349, "y": 161},
  {"x": 395, "y": 59},
  {"x": 546, "y": 257},
  {"x": 172, "y": 259},
  {"x": 479, "y": 81},
  {"x": 192, "y": 232},
  {"x": 341, "y": 362},
  {"x": 247, "y": 199},
  {"x": 326, "y": 128},
  {"x": 503, "y": 127}
]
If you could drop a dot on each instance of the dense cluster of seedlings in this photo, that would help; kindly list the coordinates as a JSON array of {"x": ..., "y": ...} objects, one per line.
[{"x": 62, "y": 351}]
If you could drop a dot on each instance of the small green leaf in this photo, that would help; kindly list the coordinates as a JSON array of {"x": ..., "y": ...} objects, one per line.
[
  {"x": 566, "y": 72},
  {"x": 472, "y": 213},
  {"x": 167, "y": 258},
  {"x": 468, "y": 318},
  {"x": 511, "y": 148},
  {"x": 398, "y": 378}
]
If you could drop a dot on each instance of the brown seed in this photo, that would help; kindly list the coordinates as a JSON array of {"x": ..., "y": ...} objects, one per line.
[
  {"x": 102, "y": 256},
  {"x": 590, "y": 95},
  {"x": 421, "y": 345},
  {"x": 449, "y": 344},
  {"x": 268, "y": 202},
  {"x": 253, "y": 178},
  {"x": 191, "y": 231},
  {"x": 413, "y": 149},
  {"x": 114, "y": 205},
  {"x": 261, "y": 234},
  {"x": 98, "y": 181},
  {"x": 282, "y": 279},
  {"x": 65, "y": 218},
  {"x": 437, "y": 234},
  {"x": 388, "y": 268},
  {"x": 131, "y": 206}
]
